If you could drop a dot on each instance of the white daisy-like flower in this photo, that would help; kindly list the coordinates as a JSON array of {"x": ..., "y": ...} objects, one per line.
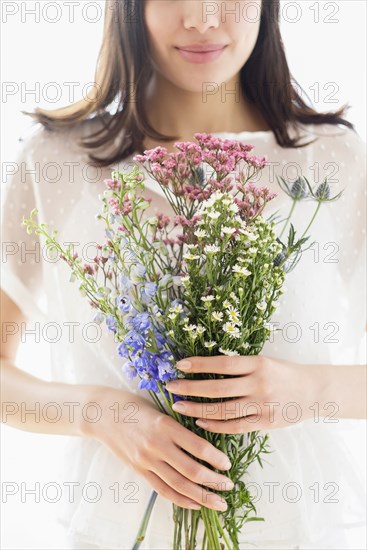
[
  {"x": 228, "y": 352},
  {"x": 217, "y": 315},
  {"x": 245, "y": 345},
  {"x": 228, "y": 230},
  {"x": 233, "y": 208},
  {"x": 269, "y": 326},
  {"x": 242, "y": 259},
  {"x": 226, "y": 202},
  {"x": 170, "y": 333},
  {"x": 261, "y": 306},
  {"x": 185, "y": 279},
  {"x": 211, "y": 248},
  {"x": 234, "y": 298},
  {"x": 210, "y": 344},
  {"x": 191, "y": 256},
  {"x": 201, "y": 233},
  {"x": 227, "y": 304},
  {"x": 189, "y": 328},
  {"x": 241, "y": 270},
  {"x": 172, "y": 316},
  {"x": 208, "y": 203},
  {"x": 176, "y": 309},
  {"x": 209, "y": 298},
  {"x": 217, "y": 195},
  {"x": 249, "y": 235},
  {"x": 233, "y": 314},
  {"x": 214, "y": 214},
  {"x": 200, "y": 330},
  {"x": 252, "y": 251},
  {"x": 192, "y": 246},
  {"x": 232, "y": 329}
]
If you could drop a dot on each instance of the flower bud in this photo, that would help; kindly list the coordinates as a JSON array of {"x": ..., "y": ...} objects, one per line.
[
  {"x": 299, "y": 189},
  {"x": 323, "y": 191}
]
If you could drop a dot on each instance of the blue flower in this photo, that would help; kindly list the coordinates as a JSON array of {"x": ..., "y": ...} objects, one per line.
[
  {"x": 148, "y": 291},
  {"x": 141, "y": 321},
  {"x": 148, "y": 384},
  {"x": 111, "y": 323},
  {"x": 135, "y": 340},
  {"x": 129, "y": 369},
  {"x": 122, "y": 350},
  {"x": 125, "y": 282},
  {"x": 123, "y": 303},
  {"x": 165, "y": 366}
]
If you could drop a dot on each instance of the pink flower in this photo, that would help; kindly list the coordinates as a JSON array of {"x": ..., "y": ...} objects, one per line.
[{"x": 112, "y": 184}]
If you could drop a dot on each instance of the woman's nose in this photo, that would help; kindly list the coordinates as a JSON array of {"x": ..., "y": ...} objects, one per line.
[{"x": 201, "y": 14}]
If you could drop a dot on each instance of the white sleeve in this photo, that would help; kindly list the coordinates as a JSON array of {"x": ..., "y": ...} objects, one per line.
[{"x": 21, "y": 263}]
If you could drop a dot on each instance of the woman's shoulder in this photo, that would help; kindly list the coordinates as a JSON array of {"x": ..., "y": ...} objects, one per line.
[
  {"x": 40, "y": 143},
  {"x": 338, "y": 138}
]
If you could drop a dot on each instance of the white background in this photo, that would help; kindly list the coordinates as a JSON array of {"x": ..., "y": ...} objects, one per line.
[{"x": 326, "y": 49}]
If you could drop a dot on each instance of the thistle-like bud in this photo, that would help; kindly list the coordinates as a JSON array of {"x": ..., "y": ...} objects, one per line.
[
  {"x": 299, "y": 189},
  {"x": 323, "y": 191},
  {"x": 279, "y": 258},
  {"x": 199, "y": 175}
]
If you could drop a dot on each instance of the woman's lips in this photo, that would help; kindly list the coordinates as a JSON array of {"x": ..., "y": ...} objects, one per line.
[{"x": 201, "y": 57}]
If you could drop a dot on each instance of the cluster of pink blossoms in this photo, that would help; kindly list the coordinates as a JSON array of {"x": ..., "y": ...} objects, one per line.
[
  {"x": 182, "y": 175},
  {"x": 222, "y": 155}
]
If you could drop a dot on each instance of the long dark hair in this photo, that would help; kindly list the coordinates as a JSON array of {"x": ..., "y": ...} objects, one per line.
[{"x": 124, "y": 70}]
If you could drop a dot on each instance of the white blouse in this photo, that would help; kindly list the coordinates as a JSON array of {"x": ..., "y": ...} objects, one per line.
[{"x": 309, "y": 491}]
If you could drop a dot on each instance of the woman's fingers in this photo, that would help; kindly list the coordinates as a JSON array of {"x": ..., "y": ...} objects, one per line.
[
  {"x": 224, "y": 387},
  {"x": 221, "y": 364},
  {"x": 225, "y": 410},
  {"x": 198, "y": 446},
  {"x": 196, "y": 472},
  {"x": 251, "y": 423},
  {"x": 167, "y": 492},
  {"x": 184, "y": 486}
]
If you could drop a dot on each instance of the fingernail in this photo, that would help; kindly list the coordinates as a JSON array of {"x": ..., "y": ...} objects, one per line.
[
  {"x": 178, "y": 406},
  {"x": 227, "y": 464},
  {"x": 195, "y": 506},
  {"x": 184, "y": 365},
  {"x": 201, "y": 423},
  {"x": 220, "y": 505},
  {"x": 229, "y": 485}
]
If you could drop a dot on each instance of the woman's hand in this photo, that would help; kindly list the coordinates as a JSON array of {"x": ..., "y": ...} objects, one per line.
[
  {"x": 154, "y": 444},
  {"x": 266, "y": 393}
]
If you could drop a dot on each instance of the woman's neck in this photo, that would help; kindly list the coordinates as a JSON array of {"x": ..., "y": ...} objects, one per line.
[{"x": 173, "y": 111}]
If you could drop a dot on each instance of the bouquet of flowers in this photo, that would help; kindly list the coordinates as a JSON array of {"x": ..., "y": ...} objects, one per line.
[{"x": 203, "y": 282}]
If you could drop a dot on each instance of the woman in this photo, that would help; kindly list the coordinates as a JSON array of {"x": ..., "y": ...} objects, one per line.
[{"x": 153, "y": 89}]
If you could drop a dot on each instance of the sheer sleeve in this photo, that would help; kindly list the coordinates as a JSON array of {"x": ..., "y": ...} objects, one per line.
[{"x": 22, "y": 265}]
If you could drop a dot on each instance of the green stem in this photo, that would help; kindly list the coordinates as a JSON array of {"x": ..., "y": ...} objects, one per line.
[
  {"x": 144, "y": 524},
  {"x": 312, "y": 219},
  {"x": 195, "y": 517},
  {"x": 186, "y": 522},
  {"x": 221, "y": 530},
  {"x": 287, "y": 220},
  {"x": 210, "y": 529},
  {"x": 173, "y": 413}
]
